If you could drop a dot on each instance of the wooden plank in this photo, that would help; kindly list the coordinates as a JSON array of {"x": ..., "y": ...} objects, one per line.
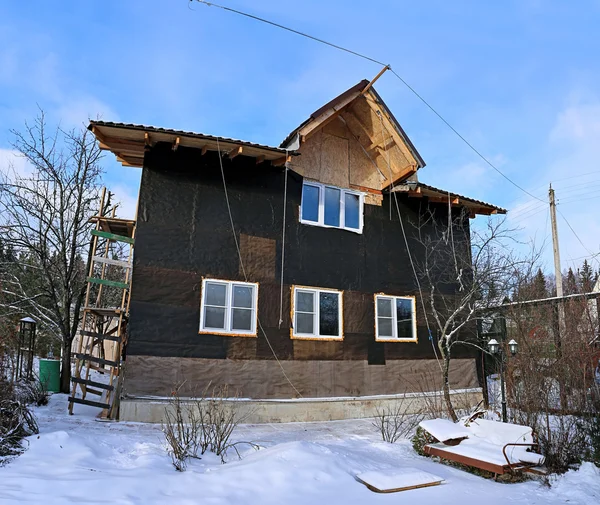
[
  {"x": 109, "y": 261},
  {"x": 101, "y": 361},
  {"x": 92, "y": 383},
  {"x": 89, "y": 402},
  {"x": 465, "y": 460},
  {"x": 236, "y": 151},
  {"x": 204, "y": 149},
  {"x": 112, "y": 236},
  {"x": 327, "y": 116},
  {"x": 107, "y": 282},
  {"x": 176, "y": 144},
  {"x": 281, "y": 161},
  {"x": 101, "y": 311},
  {"x": 100, "y": 336},
  {"x": 368, "y": 86}
]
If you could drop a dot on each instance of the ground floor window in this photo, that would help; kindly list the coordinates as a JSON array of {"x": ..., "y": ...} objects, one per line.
[
  {"x": 316, "y": 313},
  {"x": 395, "y": 318},
  {"x": 228, "y": 307}
]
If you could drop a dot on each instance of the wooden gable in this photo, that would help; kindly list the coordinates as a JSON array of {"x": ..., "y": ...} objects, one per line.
[{"x": 354, "y": 142}]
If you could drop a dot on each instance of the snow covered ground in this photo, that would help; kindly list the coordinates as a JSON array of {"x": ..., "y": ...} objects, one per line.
[{"x": 77, "y": 459}]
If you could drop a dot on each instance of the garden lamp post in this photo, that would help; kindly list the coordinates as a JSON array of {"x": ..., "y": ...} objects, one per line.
[
  {"x": 498, "y": 350},
  {"x": 26, "y": 348}
]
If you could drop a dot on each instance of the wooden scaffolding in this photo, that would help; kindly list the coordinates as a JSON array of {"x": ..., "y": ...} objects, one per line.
[{"x": 103, "y": 330}]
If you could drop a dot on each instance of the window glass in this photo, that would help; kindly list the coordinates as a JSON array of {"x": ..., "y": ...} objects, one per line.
[
  {"x": 404, "y": 317},
  {"x": 329, "y": 323},
  {"x": 216, "y": 294},
  {"x": 384, "y": 307},
  {"x": 310, "y": 203},
  {"x": 214, "y": 317},
  {"x": 241, "y": 319},
  {"x": 305, "y": 323},
  {"x": 242, "y": 296},
  {"x": 384, "y": 326},
  {"x": 351, "y": 211},
  {"x": 332, "y": 206},
  {"x": 305, "y": 301}
]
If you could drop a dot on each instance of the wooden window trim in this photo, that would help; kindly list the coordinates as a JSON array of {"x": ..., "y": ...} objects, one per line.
[
  {"x": 317, "y": 290},
  {"x": 233, "y": 333},
  {"x": 413, "y": 299},
  {"x": 343, "y": 191}
]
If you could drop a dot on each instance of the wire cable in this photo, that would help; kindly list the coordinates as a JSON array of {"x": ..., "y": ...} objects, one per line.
[
  {"x": 576, "y": 236},
  {"x": 373, "y": 60},
  {"x": 237, "y": 246}
]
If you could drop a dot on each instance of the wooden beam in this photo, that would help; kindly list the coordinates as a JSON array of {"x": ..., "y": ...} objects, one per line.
[
  {"x": 368, "y": 86},
  {"x": 236, "y": 151},
  {"x": 281, "y": 161},
  {"x": 147, "y": 141},
  {"x": 99, "y": 135},
  {"x": 327, "y": 116},
  {"x": 260, "y": 159},
  {"x": 203, "y": 151},
  {"x": 176, "y": 144}
]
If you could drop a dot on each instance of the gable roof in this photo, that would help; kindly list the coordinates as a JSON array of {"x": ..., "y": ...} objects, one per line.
[{"x": 372, "y": 124}]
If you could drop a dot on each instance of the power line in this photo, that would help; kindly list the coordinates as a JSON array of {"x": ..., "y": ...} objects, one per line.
[
  {"x": 373, "y": 60},
  {"x": 574, "y": 233}
]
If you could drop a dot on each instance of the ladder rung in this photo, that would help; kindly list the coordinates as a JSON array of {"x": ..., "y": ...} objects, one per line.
[
  {"x": 107, "y": 282},
  {"x": 89, "y": 402},
  {"x": 109, "y": 261},
  {"x": 98, "y": 369},
  {"x": 101, "y": 361},
  {"x": 100, "y": 336},
  {"x": 112, "y": 236},
  {"x": 104, "y": 312},
  {"x": 95, "y": 384}
]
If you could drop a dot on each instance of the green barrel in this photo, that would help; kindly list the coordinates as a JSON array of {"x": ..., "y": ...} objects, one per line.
[{"x": 50, "y": 374}]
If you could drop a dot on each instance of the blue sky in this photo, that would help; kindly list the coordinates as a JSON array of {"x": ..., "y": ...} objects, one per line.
[{"x": 520, "y": 79}]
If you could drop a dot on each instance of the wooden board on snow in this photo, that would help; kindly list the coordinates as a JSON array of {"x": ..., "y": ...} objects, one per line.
[{"x": 393, "y": 480}]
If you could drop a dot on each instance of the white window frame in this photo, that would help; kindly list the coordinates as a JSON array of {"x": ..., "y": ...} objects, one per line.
[
  {"x": 343, "y": 193},
  {"x": 394, "y": 318},
  {"x": 229, "y": 309},
  {"x": 316, "y": 321}
]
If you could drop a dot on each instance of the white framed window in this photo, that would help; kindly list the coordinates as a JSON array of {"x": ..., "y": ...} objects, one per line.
[
  {"x": 228, "y": 307},
  {"x": 331, "y": 207},
  {"x": 395, "y": 318},
  {"x": 317, "y": 313}
]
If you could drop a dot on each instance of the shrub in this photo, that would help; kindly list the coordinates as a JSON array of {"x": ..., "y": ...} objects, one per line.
[{"x": 396, "y": 421}]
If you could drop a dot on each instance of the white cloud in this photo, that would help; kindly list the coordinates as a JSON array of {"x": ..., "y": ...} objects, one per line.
[
  {"x": 126, "y": 197},
  {"x": 13, "y": 163},
  {"x": 573, "y": 151}
]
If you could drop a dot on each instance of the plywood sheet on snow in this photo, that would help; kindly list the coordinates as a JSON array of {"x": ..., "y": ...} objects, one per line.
[{"x": 392, "y": 480}]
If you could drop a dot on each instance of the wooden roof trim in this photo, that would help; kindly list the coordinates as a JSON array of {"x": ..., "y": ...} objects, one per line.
[
  {"x": 129, "y": 144},
  {"x": 327, "y": 116}
]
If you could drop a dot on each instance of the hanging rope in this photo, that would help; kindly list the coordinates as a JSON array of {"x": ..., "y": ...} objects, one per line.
[
  {"x": 283, "y": 240},
  {"x": 237, "y": 246}
]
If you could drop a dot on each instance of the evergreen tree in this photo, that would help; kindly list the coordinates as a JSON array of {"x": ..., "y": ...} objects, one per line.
[
  {"x": 570, "y": 283},
  {"x": 587, "y": 277}
]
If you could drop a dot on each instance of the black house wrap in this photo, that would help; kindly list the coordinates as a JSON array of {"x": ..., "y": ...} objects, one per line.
[{"x": 184, "y": 234}]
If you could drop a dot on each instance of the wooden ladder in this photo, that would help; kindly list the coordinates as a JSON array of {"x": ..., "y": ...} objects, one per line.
[{"x": 103, "y": 330}]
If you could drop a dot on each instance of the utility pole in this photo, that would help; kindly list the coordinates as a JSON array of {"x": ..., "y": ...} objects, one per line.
[{"x": 557, "y": 271}]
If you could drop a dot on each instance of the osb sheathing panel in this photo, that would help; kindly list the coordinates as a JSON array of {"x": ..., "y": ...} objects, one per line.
[
  {"x": 258, "y": 257},
  {"x": 333, "y": 155},
  {"x": 334, "y": 161},
  {"x": 147, "y": 375}
]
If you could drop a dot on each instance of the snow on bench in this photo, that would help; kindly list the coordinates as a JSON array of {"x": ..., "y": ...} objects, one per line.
[
  {"x": 488, "y": 445},
  {"x": 397, "y": 479}
]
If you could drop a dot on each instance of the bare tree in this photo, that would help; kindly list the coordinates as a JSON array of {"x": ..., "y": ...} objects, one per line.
[
  {"x": 462, "y": 272},
  {"x": 45, "y": 221}
]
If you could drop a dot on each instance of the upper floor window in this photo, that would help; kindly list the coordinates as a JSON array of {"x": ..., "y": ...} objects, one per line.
[
  {"x": 228, "y": 307},
  {"x": 317, "y": 313},
  {"x": 332, "y": 207},
  {"x": 395, "y": 319}
]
